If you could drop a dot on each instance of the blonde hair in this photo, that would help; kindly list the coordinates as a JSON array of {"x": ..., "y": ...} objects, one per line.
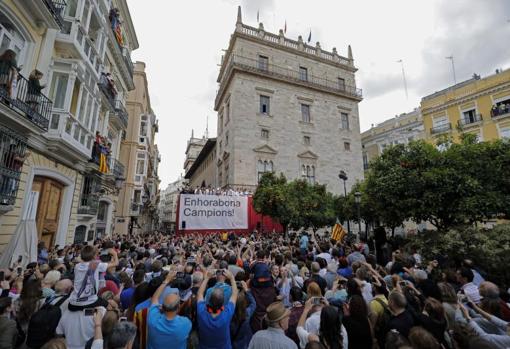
[
  {"x": 52, "y": 277},
  {"x": 313, "y": 290},
  {"x": 55, "y": 343}
]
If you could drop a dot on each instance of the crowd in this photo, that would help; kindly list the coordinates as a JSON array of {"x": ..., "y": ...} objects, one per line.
[
  {"x": 500, "y": 109},
  {"x": 255, "y": 291},
  {"x": 209, "y": 190}
]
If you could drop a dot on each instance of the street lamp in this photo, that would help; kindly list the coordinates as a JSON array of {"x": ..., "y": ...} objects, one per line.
[
  {"x": 357, "y": 199},
  {"x": 343, "y": 176}
]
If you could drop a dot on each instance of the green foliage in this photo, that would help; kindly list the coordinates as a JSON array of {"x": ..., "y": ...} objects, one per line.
[
  {"x": 294, "y": 204},
  {"x": 488, "y": 248},
  {"x": 464, "y": 183}
]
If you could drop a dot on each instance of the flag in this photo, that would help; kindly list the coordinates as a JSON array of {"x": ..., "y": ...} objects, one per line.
[
  {"x": 285, "y": 28},
  {"x": 338, "y": 232},
  {"x": 310, "y": 36},
  {"x": 258, "y": 16}
]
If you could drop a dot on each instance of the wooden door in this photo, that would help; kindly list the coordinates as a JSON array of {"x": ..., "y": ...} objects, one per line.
[{"x": 48, "y": 208}]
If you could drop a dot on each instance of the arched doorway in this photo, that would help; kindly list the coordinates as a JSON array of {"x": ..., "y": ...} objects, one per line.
[
  {"x": 79, "y": 234},
  {"x": 48, "y": 208}
]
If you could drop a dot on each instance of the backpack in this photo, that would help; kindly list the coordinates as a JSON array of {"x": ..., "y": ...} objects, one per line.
[
  {"x": 43, "y": 323},
  {"x": 382, "y": 322}
]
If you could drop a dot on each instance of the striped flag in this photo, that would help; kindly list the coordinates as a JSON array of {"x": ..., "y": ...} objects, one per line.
[
  {"x": 338, "y": 232},
  {"x": 310, "y": 36}
]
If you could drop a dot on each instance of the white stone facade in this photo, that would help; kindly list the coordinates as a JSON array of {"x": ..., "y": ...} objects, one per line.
[{"x": 281, "y": 139}]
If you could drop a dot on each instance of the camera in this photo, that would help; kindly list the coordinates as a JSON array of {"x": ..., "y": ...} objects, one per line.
[
  {"x": 179, "y": 275},
  {"x": 316, "y": 300},
  {"x": 220, "y": 272}
]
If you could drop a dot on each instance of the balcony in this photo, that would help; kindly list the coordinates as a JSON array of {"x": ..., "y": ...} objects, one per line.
[
  {"x": 31, "y": 104},
  {"x": 116, "y": 168},
  {"x": 121, "y": 114},
  {"x": 468, "y": 121},
  {"x": 47, "y": 12},
  {"x": 69, "y": 137},
  {"x": 121, "y": 55},
  {"x": 108, "y": 91},
  {"x": 135, "y": 209},
  {"x": 56, "y": 8},
  {"x": 12, "y": 151},
  {"x": 499, "y": 112},
  {"x": 254, "y": 66},
  {"x": 441, "y": 129},
  {"x": 89, "y": 204}
]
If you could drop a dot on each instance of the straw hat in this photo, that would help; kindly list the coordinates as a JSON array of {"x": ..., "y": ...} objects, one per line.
[{"x": 276, "y": 311}]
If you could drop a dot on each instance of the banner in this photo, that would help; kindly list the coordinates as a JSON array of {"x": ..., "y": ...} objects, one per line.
[{"x": 210, "y": 212}]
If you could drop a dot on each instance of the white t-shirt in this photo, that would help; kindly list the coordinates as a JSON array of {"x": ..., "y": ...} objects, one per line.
[
  {"x": 86, "y": 282},
  {"x": 77, "y": 328}
]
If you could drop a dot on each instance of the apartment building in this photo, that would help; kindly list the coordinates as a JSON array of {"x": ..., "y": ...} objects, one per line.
[{"x": 49, "y": 140}]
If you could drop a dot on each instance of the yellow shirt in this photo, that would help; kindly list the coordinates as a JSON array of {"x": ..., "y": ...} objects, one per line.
[{"x": 376, "y": 307}]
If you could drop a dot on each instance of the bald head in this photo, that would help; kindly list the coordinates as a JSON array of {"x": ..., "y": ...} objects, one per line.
[
  {"x": 216, "y": 299},
  {"x": 171, "y": 303},
  {"x": 489, "y": 290},
  {"x": 64, "y": 286}
]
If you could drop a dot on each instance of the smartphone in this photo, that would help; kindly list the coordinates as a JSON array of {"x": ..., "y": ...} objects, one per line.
[
  {"x": 122, "y": 318},
  {"x": 89, "y": 311},
  {"x": 179, "y": 275},
  {"x": 219, "y": 272},
  {"x": 19, "y": 270},
  {"x": 2, "y": 275},
  {"x": 402, "y": 283},
  {"x": 316, "y": 300}
]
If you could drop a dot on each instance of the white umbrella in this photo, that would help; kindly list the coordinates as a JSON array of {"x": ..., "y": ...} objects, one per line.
[{"x": 24, "y": 240}]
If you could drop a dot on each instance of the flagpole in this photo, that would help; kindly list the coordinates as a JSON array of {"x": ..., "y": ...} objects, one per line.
[
  {"x": 453, "y": 68},
  {"x": 404, "y": 77}
]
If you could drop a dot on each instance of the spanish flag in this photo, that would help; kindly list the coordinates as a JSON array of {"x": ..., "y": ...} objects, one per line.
[{"x": 338, "y": 232}]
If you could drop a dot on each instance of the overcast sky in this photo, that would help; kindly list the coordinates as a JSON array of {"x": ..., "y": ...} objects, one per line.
[{"x": 182, "y": 41}]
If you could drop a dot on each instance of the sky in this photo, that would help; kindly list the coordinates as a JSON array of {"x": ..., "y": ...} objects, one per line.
[{"x": 181, "y": 43}]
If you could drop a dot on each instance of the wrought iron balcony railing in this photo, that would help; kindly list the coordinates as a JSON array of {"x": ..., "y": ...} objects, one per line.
[
  {"x": 295, "y": 76},
  {"x": 89, "y": 204},
  {"x": 441, "y": 129},
  {"x": 26, "y": 100},
  {"x": 121, "y": 112},
  {"x": 116, "y": 168},
  {"x": 57, "y": 8},
  {"x": 13, "y": 152}
]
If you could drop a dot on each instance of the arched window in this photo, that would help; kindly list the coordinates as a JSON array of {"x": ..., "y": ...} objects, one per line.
[
  {"x": 263, "y": 167},
  {"x": 79, "y": 234},
  {"x": 308, "y": 173}
]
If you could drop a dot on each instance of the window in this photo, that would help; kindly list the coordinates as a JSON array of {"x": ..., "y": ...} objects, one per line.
[
  {"x": 227, "y": 113},
  {"x": 341, "y": 84},
  {"x": 306, "y": 140},
  {"x": 365, "y": 161},
  {"x": 143, "y": 128},
  {"x": 263, "y": 62},
  {"x": 140, "y": 164},
  {"x": 264, "y": 105},
  {"x": 226, "y": 138},
  {"x": 263, "y": 166},
  {"x": 308, "y": 173},
  {"x": 137, "y": 196},
  {"x": 305, "y": 113},
  {"x": 58, "y": 90},
  {"x": 469, "y": 116},
  {"x": 347, "y": 146},
  {"x": 220, "y": 123},
  {"x": 345, "y": 121},
  {"x": 264, "y": 133},
  {"x": 504, "y": 132},
  {"x": 303, "y": 74},
  {"x": 440, "y": 122}
]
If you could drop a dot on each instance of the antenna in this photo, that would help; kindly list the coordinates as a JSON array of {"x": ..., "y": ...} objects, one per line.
[
  {"x": 453, "y": 68},
  {"x": 404, "y": 77}
]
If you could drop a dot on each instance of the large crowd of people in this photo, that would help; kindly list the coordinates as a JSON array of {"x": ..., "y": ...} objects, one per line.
[
  {"x": 209, "y": 190},
  {"x": 256, "y": 291}
]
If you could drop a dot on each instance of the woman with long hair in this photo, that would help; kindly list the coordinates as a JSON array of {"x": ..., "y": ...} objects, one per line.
[
  {"x": 331, "y": 333},
  {"x": 240, "y": 330},
  {"x": 357, "y": 324},
  {"x": 8, "y": 73},
  {"x": 30, "y": 300}
]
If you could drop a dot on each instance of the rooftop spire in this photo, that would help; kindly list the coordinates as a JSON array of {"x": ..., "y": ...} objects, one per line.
[{"x": 239, "y": 15}]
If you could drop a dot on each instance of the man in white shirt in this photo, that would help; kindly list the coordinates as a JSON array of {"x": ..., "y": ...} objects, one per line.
[{"x": 465, "y": 277}]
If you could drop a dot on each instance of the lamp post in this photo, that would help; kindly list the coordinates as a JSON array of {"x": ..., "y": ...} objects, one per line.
[
  {"x": 357, "y": 199},
  {"x": 343, "y": 176}
]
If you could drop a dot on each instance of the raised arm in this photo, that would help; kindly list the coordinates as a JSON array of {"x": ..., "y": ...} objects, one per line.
[
  {"x": 233, "y": 283},
  {"x": 203, "y": 286},
  {"x": 115, "y": 258},
  {"x": 169, "y": 278}
]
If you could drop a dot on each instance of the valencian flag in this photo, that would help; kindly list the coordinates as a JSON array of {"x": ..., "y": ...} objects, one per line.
[{"x": 338, "y": 232}]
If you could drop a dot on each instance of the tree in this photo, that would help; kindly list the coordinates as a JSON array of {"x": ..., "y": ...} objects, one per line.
[{"x": 296, "y": 204}]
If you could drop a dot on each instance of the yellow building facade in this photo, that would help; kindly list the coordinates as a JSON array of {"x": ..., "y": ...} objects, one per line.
[{"x": 479, "y": 106}]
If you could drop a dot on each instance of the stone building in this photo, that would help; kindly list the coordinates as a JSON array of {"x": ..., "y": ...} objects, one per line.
[
  {"x": 75, "y": 45},
  {"x": 401, "y": 129},
  {"x": 202, "y": 172},
  {"x": 193, "y": 148},
  {"x": 138, "y": 197},
  {"x": 168, "y": 205},
  {"x": 287, "y": 107}
]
